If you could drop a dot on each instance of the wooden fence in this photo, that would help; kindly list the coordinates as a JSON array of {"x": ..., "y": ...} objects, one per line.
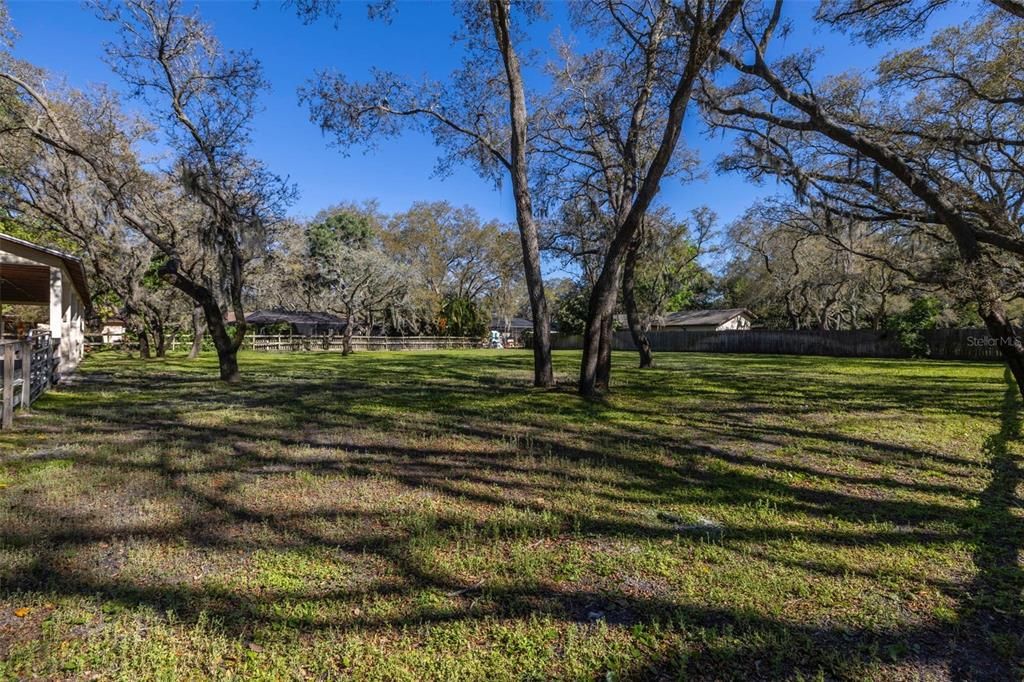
[
  {"x": 963, "y": 344},
  {"x": 291, "y": 343},
  {"x": 27, "y": 369},
  {"x": 99, "y": 342},
  {"x": 944, "y": 344}
]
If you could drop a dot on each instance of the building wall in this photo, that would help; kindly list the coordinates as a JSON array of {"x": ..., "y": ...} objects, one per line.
[
  {"x": 67, "y": 314},
  {"x": 67, "y": 310},
  {"x": 740, "y": 322},
  {"x": 112, "y": 333}
]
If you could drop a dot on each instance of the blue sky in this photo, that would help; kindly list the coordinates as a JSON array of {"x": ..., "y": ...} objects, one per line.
[{"x": 67, "y": 39}]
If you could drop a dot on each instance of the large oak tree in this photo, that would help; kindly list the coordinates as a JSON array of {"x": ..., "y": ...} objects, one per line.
[
  {"x": 209, "y": 209},
  {"x": 933, "y": 144}
]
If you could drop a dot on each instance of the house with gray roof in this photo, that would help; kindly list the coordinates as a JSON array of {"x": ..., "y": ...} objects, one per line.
[
  {"x": 728, "y": 319},
  {"x": 705, "y": 320}
]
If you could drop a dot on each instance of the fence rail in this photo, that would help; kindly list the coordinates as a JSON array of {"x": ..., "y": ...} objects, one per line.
[
  {"x": 944, "y": 344},
  {"x": 27, "y": 369},
  {"x": 291, "y": 343},
  {"x": 99, "y": 341}
]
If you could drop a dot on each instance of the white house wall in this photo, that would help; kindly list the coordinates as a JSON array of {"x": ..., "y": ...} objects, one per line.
[
  {"x": 738, "y": 323},
  {"x": 71, "y": 319}
]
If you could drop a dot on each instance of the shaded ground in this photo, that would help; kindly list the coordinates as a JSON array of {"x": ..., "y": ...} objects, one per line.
[{"x": 429, "y": 515}]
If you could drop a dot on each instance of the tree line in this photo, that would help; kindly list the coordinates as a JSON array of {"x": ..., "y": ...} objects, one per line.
[{"x": 900, "y": 182}]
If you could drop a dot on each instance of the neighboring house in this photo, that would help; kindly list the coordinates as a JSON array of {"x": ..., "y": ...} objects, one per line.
[
  {"x": 705, "y": 320},
  {"x": 31, "y": 274},
  {"x": 113, "y": 331},
  {"x": 510, "y": 331},
  {"x": 737, "y": 319},
  {"x": 299, "y": 322},
  {"x": 513, "y": 325}
]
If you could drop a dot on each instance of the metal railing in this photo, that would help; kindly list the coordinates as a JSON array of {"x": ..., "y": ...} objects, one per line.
[{"x": 27, "y": 369}]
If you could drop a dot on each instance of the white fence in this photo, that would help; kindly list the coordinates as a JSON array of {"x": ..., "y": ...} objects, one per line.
[
  {"x": 291, "y": 343},
  {"x": 285, "y": 343}
]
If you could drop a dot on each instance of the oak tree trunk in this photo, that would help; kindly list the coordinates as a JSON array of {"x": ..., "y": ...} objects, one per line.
[
  {"x": 144, "y": 351},
  {"x": 604, "y": 357},
  {"x": 1009, "y": 344},
  {"x": 161, "y": 340},
  {"x": 346, "y": 338},
  {"x": 595, "y": 368},
  {"x": 227, "y": 351},
  {"x": 636, "y": 329},
  {"x": 543, "y": 372},
  {"x": 198, "y": 330},
  {"x": 226, "y": 346}
]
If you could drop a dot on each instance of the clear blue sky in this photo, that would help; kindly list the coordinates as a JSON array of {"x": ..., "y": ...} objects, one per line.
[{"x": 67, "y": 39}]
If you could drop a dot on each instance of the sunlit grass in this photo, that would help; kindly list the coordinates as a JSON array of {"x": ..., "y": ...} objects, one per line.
[{"x": 432, "y": 516}]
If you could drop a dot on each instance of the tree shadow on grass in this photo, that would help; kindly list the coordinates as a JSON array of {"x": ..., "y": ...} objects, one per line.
[
  {"x": 282, "y": 426},
  {"x": 991, "y": 627}
]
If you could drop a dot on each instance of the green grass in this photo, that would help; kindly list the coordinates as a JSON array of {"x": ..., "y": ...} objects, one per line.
[{"x": 431, "y": 516}]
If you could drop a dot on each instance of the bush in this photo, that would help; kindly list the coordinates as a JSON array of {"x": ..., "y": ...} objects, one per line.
[
  {"x": 461, "y": 316},
  {"x": 911, "y": 325},
  {"x": 571, "y": 310}
]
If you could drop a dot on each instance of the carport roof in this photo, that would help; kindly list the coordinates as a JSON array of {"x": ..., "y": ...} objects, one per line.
[{"x": 22, "y": 282}]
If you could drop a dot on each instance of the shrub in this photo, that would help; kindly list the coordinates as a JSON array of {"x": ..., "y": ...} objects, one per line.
[{"x": 911, "y": 325}]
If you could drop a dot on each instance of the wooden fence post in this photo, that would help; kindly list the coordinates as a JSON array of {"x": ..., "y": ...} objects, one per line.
[
  {"x": 26, "y": 374},
  {"x": 8, "y": 392}
]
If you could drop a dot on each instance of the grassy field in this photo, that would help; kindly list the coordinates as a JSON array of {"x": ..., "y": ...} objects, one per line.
[{"x": 430, "y": 516}]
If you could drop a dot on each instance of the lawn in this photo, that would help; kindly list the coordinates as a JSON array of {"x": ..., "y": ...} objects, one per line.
[{"x": 431, "y": 516}]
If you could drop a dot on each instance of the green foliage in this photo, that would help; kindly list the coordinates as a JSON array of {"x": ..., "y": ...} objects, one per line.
[
  {"x": 910, "y": 326},
  {"x": 461, "y": 316},
  {"x": 668, "y": 276},
  {"x": 151, "y": 278},
  {"x": 571, "y": 310},
  {"x": 37, "y": 235},
  {"x": 348, "y": 227}
]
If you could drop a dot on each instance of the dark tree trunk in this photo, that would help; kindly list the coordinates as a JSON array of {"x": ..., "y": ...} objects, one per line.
[
  {"x": 990, "y": 305},
  {"x": 227, "y": 350},
  {"x": 636, "y": 329},
  {"x": 161, "y": 340},
  {"x": 704, "y": 40},
  {"x": 144, "y": 351},
  {"x": 346, "y": 338},
  {"x": 198, "y": 329},
  {"x": 595, "y": 368},
  {"x": 604, "y": 358},
  {"x": 602, "y": 302},
  {"x": 227, "y": 347},
  {"x": 1009, "y": 344},
  {"x": 543, "y": 372}
]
